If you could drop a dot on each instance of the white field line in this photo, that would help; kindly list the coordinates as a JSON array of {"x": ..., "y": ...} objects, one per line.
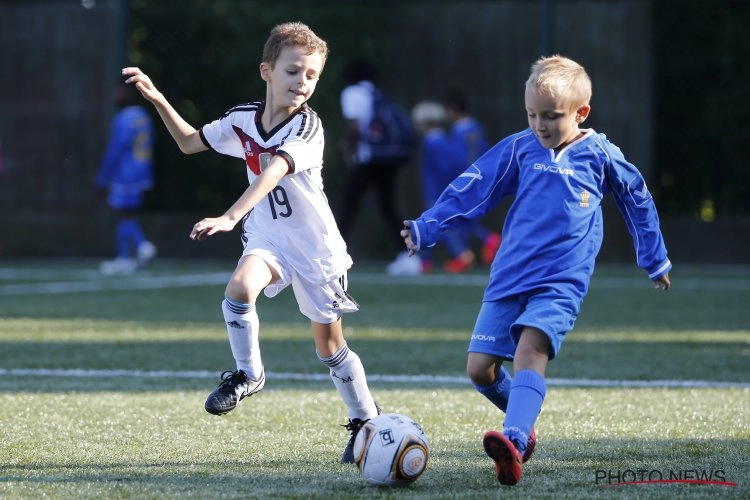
[
  {"x": 394, "y": 379},
  {"x": 129, "y": 283},
  {"x": 97, "y": 283},
  {"x": 94, "y": 282}
]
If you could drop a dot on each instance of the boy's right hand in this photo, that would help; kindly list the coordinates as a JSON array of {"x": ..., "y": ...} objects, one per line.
[
  {"x": 663, "y": 282},
  {"x": 406, "y": 234},
  {"x": 143, "y": 83}
]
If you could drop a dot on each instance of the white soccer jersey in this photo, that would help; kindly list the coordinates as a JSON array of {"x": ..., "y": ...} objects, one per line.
[{"x": 295, "y": 219}]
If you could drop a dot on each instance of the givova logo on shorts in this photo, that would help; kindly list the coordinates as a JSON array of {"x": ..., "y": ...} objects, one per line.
[{"x": 483, "y": 338}]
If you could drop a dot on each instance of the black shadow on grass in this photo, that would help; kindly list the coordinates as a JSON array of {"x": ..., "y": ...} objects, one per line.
[{"x": 564, "y": 468}]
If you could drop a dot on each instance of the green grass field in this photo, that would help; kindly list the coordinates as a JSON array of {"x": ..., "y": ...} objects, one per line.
[{"x": 102, "y": 384}]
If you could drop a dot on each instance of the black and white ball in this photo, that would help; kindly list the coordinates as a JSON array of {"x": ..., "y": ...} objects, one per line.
[{"x": 391, "y": 450}]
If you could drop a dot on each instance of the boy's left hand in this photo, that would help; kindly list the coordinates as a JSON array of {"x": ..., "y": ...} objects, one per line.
[
  {"x": 662, "y": 282},
  {"x": 143, "y": 83},
  {"x": 210, "y": 226}
]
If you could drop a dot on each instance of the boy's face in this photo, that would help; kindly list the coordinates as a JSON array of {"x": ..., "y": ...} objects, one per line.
[
  {"x": 553, "y": 121},
  {"x": 293, "y": 78}
]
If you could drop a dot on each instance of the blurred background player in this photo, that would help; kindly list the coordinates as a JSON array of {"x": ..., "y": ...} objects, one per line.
[
  {"x": 357, "y": 106},
  {"x": 126, "y": 173},
  {"x": 437, "y": 170},
  {"x": 469, "y": 143}
]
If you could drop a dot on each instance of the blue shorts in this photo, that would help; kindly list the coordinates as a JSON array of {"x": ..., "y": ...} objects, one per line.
[
  {"x": 125, "y": 201},
  {"x": 499, "y": 323}
]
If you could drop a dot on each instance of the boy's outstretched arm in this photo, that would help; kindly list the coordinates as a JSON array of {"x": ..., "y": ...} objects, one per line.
[
  {"x": 184, "y": 134},
  {"x": 255, "y": 192}
]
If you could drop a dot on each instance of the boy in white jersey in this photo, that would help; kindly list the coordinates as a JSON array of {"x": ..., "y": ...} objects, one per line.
[
  {"x": 289, "y": 233},
  {"x": 559, "y": 175}
]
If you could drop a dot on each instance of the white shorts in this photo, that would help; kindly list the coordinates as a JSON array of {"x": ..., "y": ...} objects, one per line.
[{"x": 320, "y": 303}]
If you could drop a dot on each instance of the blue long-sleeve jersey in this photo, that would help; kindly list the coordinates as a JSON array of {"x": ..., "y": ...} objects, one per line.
[
  {"x": 126, "y": 166},
  {"x": 554, "y": 228}
]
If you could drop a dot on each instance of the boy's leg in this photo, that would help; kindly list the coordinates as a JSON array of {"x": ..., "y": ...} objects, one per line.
[
  {"x": 540, "y": 330},
  {"x": 348, "y": 376},
  {"x": 346, "y": 369},
  {"x": 495, "y": 385},
  {"x": 491, "y": 343},
  {"x": 529, "y": 388},
  {"x": 527, "y": 391},
  {"x": 243, "y": 328},
  {"x": 324, "y": 305}
]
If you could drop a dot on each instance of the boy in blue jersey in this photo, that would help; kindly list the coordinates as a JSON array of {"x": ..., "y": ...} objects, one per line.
[
  {"x": 559, "y": 174},
  {"x": 126, "y": 173}
]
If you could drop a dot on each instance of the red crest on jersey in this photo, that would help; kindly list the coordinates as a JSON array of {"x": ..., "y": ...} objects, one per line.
[{"x": 252, "y": 150}]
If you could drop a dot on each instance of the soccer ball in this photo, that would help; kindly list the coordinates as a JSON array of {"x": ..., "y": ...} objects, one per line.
[{"x": 391, "y": 450}]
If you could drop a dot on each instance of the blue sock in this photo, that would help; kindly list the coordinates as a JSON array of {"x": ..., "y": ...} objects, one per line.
[
  {"x": 527, "y": 393},
  {"x": 499, "y": 390},
  {"x": 122, "y": 236},
  {"x": 129, "y": 236}
]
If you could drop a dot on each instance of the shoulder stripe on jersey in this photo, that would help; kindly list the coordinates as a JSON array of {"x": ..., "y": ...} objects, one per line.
[
  {"x": 249, "y": 106},
  {"x": 310, "y": 125}
]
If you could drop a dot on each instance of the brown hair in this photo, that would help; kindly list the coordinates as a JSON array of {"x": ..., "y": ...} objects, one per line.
[{"x": 293, "y": 34}]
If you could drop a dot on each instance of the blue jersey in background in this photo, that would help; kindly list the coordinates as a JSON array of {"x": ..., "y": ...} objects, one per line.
[{"x": 126, "y": 169}]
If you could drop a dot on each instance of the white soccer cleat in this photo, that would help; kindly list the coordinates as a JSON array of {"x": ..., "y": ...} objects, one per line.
[
  {"x": 146, "y": 253},
  {"x": 405, "y": 265},
  {"x": 118, "y": 266}
]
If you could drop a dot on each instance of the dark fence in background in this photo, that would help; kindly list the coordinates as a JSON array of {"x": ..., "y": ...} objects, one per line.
[{"x": 60, "y": 60}]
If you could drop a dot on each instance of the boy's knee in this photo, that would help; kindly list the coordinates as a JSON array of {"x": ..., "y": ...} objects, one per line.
[
  {"x": 480, "y": 379},
  {"x": 533, "y": 351},
  {"x": 236, "y": 290},
  {"x": 481, "y": 369}
]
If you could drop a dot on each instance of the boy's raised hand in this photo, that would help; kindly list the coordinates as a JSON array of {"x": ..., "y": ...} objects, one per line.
[{"x": 142, "y": 82}]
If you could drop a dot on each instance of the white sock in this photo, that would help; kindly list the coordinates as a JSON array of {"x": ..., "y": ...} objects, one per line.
[
  {"x": 243, "y": 328},
  {"x": 348, "y": 376}
]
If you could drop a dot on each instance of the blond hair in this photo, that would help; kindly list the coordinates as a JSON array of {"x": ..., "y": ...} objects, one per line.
[
  {"x": 561, "y": 78},
  {"x": 293, "y": 34}
]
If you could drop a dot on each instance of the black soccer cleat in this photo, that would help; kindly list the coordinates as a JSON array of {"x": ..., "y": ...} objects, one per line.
[
  {"x": 233, "y": 388},
  {"x": 354, "y": 425}
]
